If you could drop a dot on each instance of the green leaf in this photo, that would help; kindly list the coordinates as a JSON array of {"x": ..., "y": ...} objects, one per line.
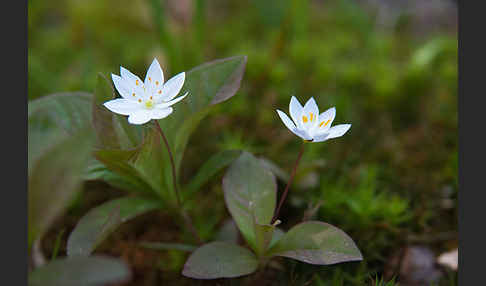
[
  {"x": 70, "y": 110},
  {"x": 97, "y": 171},
  {"x": 130, "y": 136},
  {"x": 263, "y": 237},
  {"x": 220, "y": 260},
  {"x": 80, "y": 271},
  {"x": 211, "y": 167},
  {"x": 53, "y": 180},
  {"x": 151, "y": 161},
  {"x": 52, "y": 118},
  {"x": 277, "y": 235},
  {"x": 142, "y": 167},
  {"x": 316, "y": 242},
  {"x": 250, "y": 193},
  {"x": 102, "y": 117},
  {"x": 207, "y": 84},
  {"x": 57, "y": 244},
  {"x": 99, "y": 222},
  {"x": 122, "y": 163},
  {"x": 59, "y": 147}
]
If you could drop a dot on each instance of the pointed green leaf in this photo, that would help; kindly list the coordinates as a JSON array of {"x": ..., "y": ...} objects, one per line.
[
  {"x": 54, "y": 178},
  {"x": 316, "y": 242},
  {"x": 102, "y": 220},
  {"x": 211, "y": 167},
  {"x": 150, "y": 164},
  {"x": 277, "y": 235},
  {"x": 142, "y": 167},
  {"x": 59, "y": 147},
  {"x": 207, "y": 84},
  {"x": 52, "y": 118},
  {"x": 217, "y": 80},
  {"x": 97, "y": 171},
  {"x": 70, "y": 110},
  {"x": 57, "y": 244},
  {"x": 263, "y": 237},
  {"x": 80, "y": 271},
  {"x": 250, "y": 193},
  {"x": 129, "y": 135},
  {"x": 220, "y": 260},
  {"x": 102, "y": 117},
  {"x": 122, "y": 163}
]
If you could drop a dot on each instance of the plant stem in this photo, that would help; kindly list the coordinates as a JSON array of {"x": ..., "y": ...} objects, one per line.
[
  {"x": 190, "y": 225},
  {"x": 174, "y": 177},
  {"x": 292, "y": 175},
  {"x": 185, "y": 216}
]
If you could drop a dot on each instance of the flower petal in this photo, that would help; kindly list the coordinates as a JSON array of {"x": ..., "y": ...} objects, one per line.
[
  {"x": 122, "y": 106},
  {"x": 172, "y": 102},
  {"x": 338, "y": 130},
  {"x": 154, "y": 79},
  {"x": 321, "y": 137},
  {"x": 140, "y": 116},
  {"x": 329, "y": 114},
  {"x": 133, "y": 80},
  {"x": 311, "y": 110},
  {"x": 172, "y": 87},
  {"x": 291, "y": 126},
  {"x": 295, "y": 109},
  {"x": 302, "y": 134},
  {"x": 286, "y": 120},
  {"x": 123, "y": 88},
  {"x": 324, "y": 122},
  {"x": 159, "y": 113}
]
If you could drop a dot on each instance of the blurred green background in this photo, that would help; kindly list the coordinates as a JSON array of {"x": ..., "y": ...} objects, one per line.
[{"x": 390, "y": 70}]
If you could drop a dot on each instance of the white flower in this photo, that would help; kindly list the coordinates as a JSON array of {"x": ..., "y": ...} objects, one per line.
[
  {"x": 143, "y": 101},
  {"x": 308, "y": 124}
]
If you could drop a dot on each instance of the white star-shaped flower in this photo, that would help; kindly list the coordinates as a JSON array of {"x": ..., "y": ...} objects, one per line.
[
  {"x": 150, "y": 99},
  {"x": 308, "y": 124}
]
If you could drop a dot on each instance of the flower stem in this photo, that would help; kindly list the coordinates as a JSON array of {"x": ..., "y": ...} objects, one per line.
[
  {"x": 292, "y": 175},
  {"x": 185, "y": 216},
  {"x": 174, "y": 177}
]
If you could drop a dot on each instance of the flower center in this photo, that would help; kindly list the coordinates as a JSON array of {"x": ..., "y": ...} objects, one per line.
[{"x": 149, "y": 104}]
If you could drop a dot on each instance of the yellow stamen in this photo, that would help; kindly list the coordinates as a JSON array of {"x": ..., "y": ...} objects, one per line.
[
  {"x": 160, "y": 91},
  {"x": 320, "y": 125},
  {"x": 149, "y": 104},
  {"x": 311, "y": 116},
  {"x": 136, "y": 82},
  {"x": 139, "y": 100},
  {"x": 151, "y": 97},
  {"x": 304, "y": 118},
  {"x": 133, "y": 94},
  {"x": 150, "y": 79},
  {"x": 156, "y": 82}
]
